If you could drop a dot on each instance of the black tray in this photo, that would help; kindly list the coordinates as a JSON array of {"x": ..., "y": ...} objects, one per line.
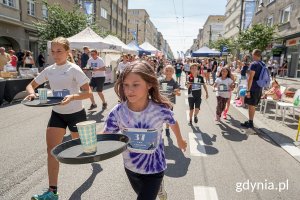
[
  {"x": 51, "y": 101},
  {"x": 108, "y": 146}
]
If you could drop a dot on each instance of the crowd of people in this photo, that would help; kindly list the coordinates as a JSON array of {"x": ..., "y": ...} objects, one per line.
[{"x": 146, "y": 88}]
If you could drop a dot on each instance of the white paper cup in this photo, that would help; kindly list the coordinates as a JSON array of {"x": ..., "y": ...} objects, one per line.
[
  {"x": 195, "y": 80},
  {"x": 164, "y": 86},
  {"x": 87, "y": 135},
  {"x": 43, "y": 95}
]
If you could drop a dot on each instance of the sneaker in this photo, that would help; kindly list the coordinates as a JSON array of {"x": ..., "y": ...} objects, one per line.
[
  {"x": 196, "y": 119},
  {"x": 162, "y": 194},
  {"x": 48, "y": 195},
  {"x": 225, "y": 114},
  {"x": 247, "y": 124},
  {"x": 104, "y": 106},
  {"x": 217, "y": 118},
  {"x": 93, "y": 106},
  {"x": 167, "y": 132}
]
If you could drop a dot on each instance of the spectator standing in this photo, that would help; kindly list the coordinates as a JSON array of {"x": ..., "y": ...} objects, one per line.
[
  {"x": 84, "y": 57},
  {"x": 41, "y": 61},
  {"x": 28, "y": 60},
  {"x": 13, "y": 58},
  {"x": 4, "y": 58},
  {"x": 254, "y": 92},
  {"x": 20, "y": 54}
]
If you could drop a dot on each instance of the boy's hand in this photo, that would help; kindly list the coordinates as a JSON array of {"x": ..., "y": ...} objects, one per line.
[{"x": 182, "y": 144}]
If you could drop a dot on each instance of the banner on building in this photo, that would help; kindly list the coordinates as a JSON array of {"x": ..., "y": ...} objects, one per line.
[
  {"x": 88, "y": 8},
  {"x": 250, "y": 7}
]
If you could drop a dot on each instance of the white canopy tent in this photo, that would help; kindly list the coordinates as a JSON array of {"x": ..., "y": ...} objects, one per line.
[
  {"x": 148, "y": 47},
  {"x": 117, "y": 41}
]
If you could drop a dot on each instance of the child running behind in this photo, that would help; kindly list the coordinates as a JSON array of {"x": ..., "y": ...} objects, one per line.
[
  {"x": 224, "y": 85},
  {"x": 194, "y": 92},
  {"x": 143, "y": 107},
  {"x": 173, "y": 89}
]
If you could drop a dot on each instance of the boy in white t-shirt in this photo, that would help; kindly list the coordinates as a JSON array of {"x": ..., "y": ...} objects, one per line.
[
  {"x": 122, "y": 65},
  {"x": 98, "y": 78}
]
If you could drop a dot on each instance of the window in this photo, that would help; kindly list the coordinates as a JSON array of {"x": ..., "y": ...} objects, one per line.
[
  {"x": 270, "y": 21},
  {"x": 30, "y": 7},
  {"x": 44, "y": 11},
  {"x": 10, "y": 3},
  {"x": 270, "y": 1},
  {"x": 114, "y": 7},
  {"x": 286, "y": 13},
  {"x": 135, "y": 12},
  {"x": 103, "y": 13},
  {"x": 258, "y": 3}
]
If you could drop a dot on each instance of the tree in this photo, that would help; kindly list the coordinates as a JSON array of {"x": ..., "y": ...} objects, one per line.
[
  {"x": 221, "y": 42},
  {"x": 60, "y": 23},
  {"x": 258, "y": 36}
]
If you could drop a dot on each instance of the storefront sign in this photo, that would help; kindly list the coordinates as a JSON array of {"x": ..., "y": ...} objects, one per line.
[{"x": 293, "y": 42}]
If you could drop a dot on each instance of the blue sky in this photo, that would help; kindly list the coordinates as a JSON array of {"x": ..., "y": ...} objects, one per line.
[{"x": 179, "y": 20}]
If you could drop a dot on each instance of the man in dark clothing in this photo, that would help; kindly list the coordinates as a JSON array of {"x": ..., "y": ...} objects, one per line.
[
  {"x": 20, "y": 56},
  {"x": 41, "y": 61},
  {"x": 254, "y": 92},
  {"x": 214, "y": 69},
  {"x": 84, "y": 57}
]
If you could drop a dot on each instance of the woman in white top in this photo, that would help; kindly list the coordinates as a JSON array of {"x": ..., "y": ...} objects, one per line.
[
  {"x": 68, "y": 78},
  {"x": 28, "y": 60}
]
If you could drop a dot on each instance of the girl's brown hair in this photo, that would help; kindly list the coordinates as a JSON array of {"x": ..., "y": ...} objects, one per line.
[
  {"x": 63, "y": 41},
  {"x": 145, "y": 70},
  {"x": 228, "y": 72}
]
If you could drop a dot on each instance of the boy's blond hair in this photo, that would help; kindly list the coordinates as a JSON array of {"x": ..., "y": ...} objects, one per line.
[
  {"x": 194, "y": 65},
  {"x": 63, "y": 41},
  {"x": 169, "y": 66}
]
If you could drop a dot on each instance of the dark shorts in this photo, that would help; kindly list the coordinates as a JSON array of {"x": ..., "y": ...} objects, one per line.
[
  {"x": 194, "y": 102},
  {"x": 67, "y": 120},
  {"x": 146, "y": 186},
  {"x": 97, "y": 83},
  {"x": 28, "y": 65},
  {"x": 254, "y": 98},
  {"x": 208, "y": 70}
]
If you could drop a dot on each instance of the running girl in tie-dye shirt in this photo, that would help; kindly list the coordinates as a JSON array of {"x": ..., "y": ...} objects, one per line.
[{"x": 143, "y": 108}]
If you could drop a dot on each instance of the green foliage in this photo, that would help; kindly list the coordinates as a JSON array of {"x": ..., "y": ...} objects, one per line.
[
  {"x": 218, "y": 44},
  {"x": 60, "y": 23},
  {"x": 259, "y": 36}
]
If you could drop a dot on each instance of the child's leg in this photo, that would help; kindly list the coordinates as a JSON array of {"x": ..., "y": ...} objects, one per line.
[
  {"x": 191, "y": 106},
  {"x": 146, "y": 186},
  {"x": 219, "y": 107}
]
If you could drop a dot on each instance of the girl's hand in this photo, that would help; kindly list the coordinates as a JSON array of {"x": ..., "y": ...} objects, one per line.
[
  {"x": 182, "y": 144},
  {"x": 30, "y": 97},
  {"x": 67, "y": 99}
]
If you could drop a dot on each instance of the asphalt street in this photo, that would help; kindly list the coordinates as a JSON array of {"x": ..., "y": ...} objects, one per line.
[{"x": 223, "y": 160}]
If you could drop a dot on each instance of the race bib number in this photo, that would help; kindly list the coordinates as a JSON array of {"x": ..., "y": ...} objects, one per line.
[
  {"x": 142, "y": 140},
  {"x": 196, "y": 86},
  {"x": 61, "y": 93}
]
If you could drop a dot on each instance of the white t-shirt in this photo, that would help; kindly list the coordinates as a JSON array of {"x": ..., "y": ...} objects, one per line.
[
  {"x": 122, "y": 66},
  {"x": 187, "y": 67},
  {"x": 96, "y": 64},
  {"x": 223, "y": 85},
  {"x": 64, "y": 77}
]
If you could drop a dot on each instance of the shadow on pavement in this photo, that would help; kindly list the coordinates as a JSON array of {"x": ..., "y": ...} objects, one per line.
[
  {"x": 76, "y": 195},
  {"x": 207, "y": 148},
  {"x": 93, "y": 115},
  {"x": 275, "y": 138},
  {"x": 230, "y": 132},
  {"x": 181, "y": 165}
]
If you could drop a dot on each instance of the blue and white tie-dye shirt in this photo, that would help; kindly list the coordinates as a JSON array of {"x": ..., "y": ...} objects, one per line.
[{"x": 153, "y": 117}]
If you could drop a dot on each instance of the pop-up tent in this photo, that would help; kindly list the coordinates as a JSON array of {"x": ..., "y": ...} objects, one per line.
[
  {"x": 117, "y": 41},
  {"x": 205, "y": 52},
  {"x": 148, "y": 47},
  {"x": 133, "y": 44},
  {"x": 89, "y": 38}
]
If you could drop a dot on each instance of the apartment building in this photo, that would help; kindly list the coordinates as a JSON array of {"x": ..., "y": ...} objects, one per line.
[
  {"x": 286, "y": 16},
  {"x": 16, "y": 22},
  {"x": 111, "y": 16},
  {"x": 232, "y": 18}
]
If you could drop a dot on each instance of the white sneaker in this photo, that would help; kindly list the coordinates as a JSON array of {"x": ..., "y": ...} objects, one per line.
[{"x": 162, "y": 194}]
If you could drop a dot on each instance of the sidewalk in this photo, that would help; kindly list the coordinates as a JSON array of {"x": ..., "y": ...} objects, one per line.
[{"x": 284, "y": 134}]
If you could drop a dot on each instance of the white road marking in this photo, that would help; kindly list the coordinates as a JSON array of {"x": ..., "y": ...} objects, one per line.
[
  {"x": 291, "y": 148},
  {"x": 205, "y": 193},
  {"x": 197, "y": 145},
  {"x": 186, "y": 101}
]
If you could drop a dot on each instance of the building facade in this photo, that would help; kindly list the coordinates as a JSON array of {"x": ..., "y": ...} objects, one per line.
[
  {"x": 286, "y": 16},
  {"x": 16, "y": 22},
  {"x": 232, "y": 18},
  {"x": 111, "y": 16}
]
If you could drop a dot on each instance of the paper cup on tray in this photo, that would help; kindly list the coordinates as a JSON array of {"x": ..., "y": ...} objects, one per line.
[
  {"x": 87, "y": 135},
  {"x": 43, "y": 95}
]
